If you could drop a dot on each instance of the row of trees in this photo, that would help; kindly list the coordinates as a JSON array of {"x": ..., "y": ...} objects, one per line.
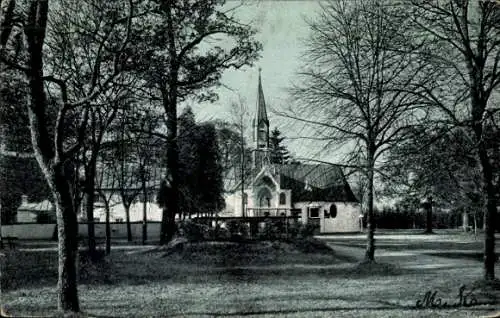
[
  {"x": 409, "y": 88},
  {"x": 80, "y": 65}
]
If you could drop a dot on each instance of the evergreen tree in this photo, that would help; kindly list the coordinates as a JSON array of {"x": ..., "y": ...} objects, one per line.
[
  {"x": 188, "y": 163},
  {"x": 201, "y": 185},
  {"x": 210, "y": 177},
  {"x": 279, "y": 153}
]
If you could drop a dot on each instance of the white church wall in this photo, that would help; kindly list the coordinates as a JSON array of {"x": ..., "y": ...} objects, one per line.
[
  {"x": 233, "y": 203},
  {"x": 304, "y": 206},
  {"x": 347, "y": 219},
  {"x": 230, "y": 204}
]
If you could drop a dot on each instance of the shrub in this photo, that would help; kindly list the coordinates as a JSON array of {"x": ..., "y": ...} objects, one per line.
[
  {"x": 194, "y": 231},
  {"x": 272, "y": 230},
  {"x": 294, "y": 229},
  {"x": 237, "y": 229},
  {"x": 219, "y": 233},
  {"x": 278, "y": 230},
  {"x": 307, "y": 230}
]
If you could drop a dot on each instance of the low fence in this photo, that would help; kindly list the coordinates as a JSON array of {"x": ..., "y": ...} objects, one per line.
[{"x": 35, "y": 231}]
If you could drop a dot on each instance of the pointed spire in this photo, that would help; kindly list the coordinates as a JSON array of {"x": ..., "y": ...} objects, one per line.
[{"x": 261, "y": 103}]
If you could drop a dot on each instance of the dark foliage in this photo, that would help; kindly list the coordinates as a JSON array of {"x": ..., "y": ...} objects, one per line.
[
  {"x": 45, "y": 218},
  {"x": 196, "y": 232},
  {"x": 20, "y": 176},
  {"x": 272, "y": 230},
  {"x": 275, "y": 230},
  {"x": 279, "y": 153},
  {"x": 200, "y": 168},
  {"x": 238, "y": 230},
  {"x": 400, "y": 218}
]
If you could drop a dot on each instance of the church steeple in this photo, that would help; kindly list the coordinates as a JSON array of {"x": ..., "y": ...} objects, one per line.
[
  {"x": 261, "y": 103},
  {"x": 260, "y": 126}
]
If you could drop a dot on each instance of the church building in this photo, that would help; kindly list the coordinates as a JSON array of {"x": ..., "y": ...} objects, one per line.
[{"x": 316, "y": 193}]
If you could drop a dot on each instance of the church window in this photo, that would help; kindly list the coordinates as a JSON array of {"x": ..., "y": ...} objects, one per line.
[
  {"x": 282, "y": 198},
  {"x": 245, "y": 198},
  {"x": 333, "y": 211},
  {"x": 314, "y": 212}
]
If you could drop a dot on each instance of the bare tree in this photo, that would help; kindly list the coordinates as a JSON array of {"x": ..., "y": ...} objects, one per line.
[
  {"x": 239, "y": 112},
  {"x": 105, "y": 185},
  {"x": 143, "y": 124},
  {"x": 352, "y": 85},
  {"x": 466, "y": 34},
  {"x": 54, "y": 146},
  {"x": 100, "y": 120}
]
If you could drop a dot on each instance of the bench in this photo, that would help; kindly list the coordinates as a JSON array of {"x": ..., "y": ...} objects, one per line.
[{"x": 11, "y": 241}]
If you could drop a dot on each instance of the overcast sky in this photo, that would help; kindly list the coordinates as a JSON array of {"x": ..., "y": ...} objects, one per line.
[{"x": 281, "y": 27}]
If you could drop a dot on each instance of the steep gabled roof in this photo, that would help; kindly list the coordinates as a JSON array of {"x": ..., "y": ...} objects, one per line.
[
  {"x": 109, "y": 180},
  {"x": 315, "y": 182},
  {"x": 309, "y": 182}
]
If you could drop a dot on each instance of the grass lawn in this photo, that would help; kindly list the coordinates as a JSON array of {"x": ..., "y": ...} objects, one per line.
[{"x": 264, "y": 280}]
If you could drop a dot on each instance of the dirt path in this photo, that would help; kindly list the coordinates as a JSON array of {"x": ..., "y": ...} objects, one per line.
[{"x": 410, "y": 259}]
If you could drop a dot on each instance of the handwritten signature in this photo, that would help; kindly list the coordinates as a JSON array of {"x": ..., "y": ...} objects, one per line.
[{"x": 465, "y": 297}]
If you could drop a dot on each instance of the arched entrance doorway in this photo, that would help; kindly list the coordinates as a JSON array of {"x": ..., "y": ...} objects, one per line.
[{"x": 264, "y": 197}]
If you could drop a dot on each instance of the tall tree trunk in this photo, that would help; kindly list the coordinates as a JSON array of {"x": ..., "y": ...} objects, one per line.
[
  {"x": 50, "y": 161},
  {"x": 370, "y": 220},
  {"x": 163, "y": 225},
  {"x": 478, "y": 107},
  {"x": 67, "y": 226},
  {"x": 242, "y": 140},
  {"x": 171, "y": 205},
  {"x": 144, "y": 213},
  {"x": 89, "y": 202},
  {"x": 428, "y": 218},
  {"x": 169, "y": 98},
  {"x": 108, "y": 227},
  {"x": 475, "y": 224},
  {"x": 491, "y": 211},
  {"x": 127, "y": 217}
]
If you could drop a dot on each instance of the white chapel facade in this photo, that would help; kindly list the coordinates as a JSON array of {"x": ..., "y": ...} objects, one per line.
[{"x": 316, "y": 193}]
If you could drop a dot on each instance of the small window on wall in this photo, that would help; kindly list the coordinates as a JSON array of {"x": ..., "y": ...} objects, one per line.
[
  {"x": 333, "y": 211},
  {"x": 282, "y": 198},
  {"x": 314, "y": 212},
  {"x": 326, "y": 214}
]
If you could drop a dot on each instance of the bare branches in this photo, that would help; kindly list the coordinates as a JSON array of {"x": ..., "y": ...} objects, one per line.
[{"x": 356, "y": 75}]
